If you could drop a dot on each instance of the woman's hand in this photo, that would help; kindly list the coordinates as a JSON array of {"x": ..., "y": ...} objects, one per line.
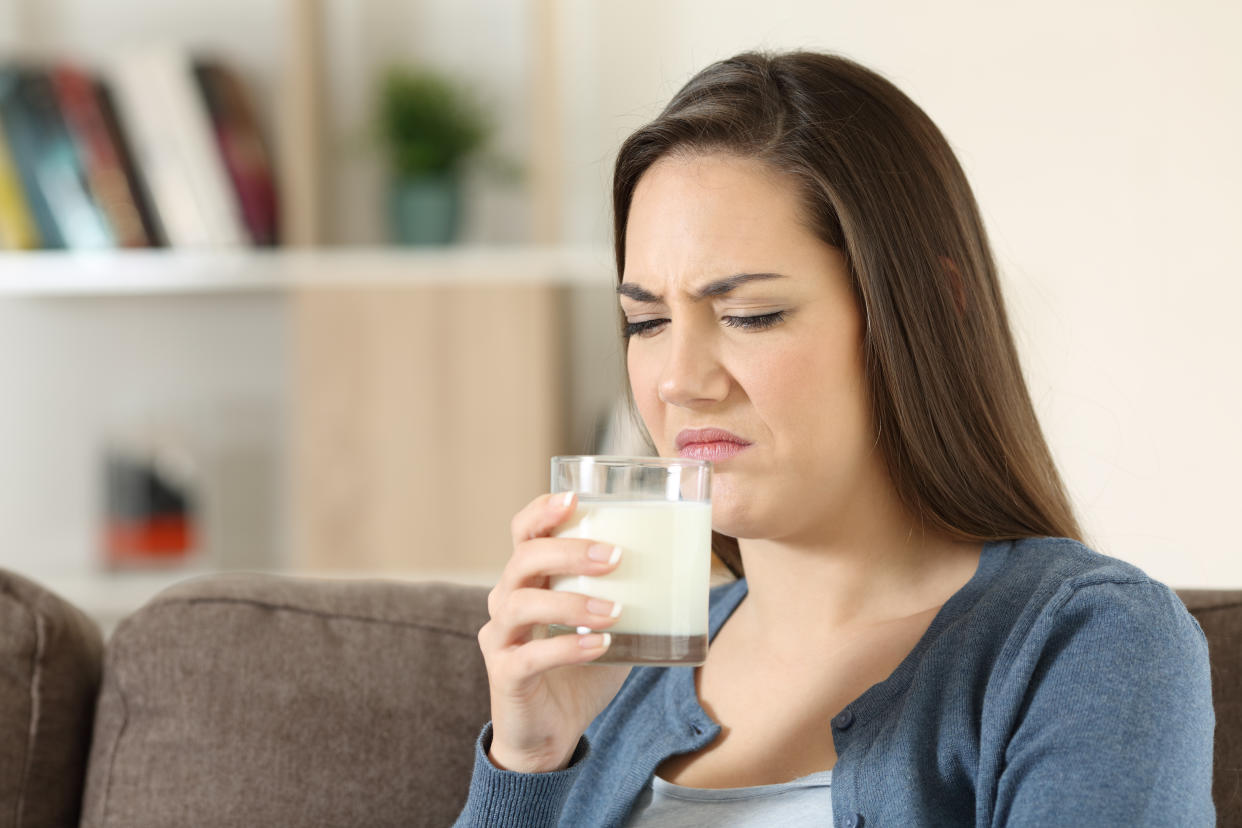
[{"x": 543, "y": 695}]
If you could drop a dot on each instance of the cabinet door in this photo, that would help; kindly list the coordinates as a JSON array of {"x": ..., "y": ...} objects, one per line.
[{"x": 423, "y": 418}]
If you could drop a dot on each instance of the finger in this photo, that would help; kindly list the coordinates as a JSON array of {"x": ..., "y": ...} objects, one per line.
[
  {"x": 533, "y": 658},
  {"x": 528, "y": 607},
  {"x": 539, "y": 517},
  {"x": 536, "y": 560}
]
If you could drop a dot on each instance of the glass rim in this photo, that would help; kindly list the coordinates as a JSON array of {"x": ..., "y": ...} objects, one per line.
[{"x": 625, "y": 460}]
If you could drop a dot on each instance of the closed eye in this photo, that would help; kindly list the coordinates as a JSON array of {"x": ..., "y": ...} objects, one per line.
[{"x": 752, "y": 323}]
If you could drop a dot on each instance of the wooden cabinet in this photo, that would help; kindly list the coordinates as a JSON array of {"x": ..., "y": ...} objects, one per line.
[{"x": 425, "y": 417}]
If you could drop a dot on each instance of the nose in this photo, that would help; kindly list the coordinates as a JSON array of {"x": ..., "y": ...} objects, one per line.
[{"x": 693, "y": 374}]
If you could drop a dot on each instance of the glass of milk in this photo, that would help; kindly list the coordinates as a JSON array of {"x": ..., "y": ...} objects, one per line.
[{"x": 659, "y": 511}]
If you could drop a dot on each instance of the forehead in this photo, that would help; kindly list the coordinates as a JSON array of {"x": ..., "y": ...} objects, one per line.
[{"x": 697, "y": 217}]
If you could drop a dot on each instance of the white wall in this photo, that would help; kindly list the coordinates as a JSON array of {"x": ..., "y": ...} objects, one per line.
[{"x": 1102, "y": 143}]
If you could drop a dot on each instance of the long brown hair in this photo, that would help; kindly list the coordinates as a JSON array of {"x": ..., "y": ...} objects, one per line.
[{"x": 879, "y": 182}]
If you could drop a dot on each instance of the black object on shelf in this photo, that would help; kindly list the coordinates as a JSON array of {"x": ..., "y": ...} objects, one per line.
[{"x": 150, "y": 517}]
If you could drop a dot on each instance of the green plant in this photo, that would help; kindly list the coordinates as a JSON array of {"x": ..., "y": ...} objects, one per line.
[{"x": 427, "y": 123}]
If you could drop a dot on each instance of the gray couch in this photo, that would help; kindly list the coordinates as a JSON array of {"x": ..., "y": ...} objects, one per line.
[{"x": 261, "y": 700}]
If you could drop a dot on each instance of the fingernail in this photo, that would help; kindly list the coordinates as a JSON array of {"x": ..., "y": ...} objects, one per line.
[
  {"x": 599, "y": 607},
  {"x": 590, "y": 642},
  {"x": 566, "y": 499},
  {"x": 604, "y": 553}
]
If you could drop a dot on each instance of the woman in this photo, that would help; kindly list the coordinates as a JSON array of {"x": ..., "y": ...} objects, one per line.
[{"x": 916, "y": 635}]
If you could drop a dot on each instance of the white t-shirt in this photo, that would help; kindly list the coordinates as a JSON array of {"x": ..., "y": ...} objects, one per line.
[{"x": 803, "y": 802}]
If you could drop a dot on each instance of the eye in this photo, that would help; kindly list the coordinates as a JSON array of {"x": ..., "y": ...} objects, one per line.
[
  {"x": 753, "y": 323},
  {"x": 641, "y": 328},
  {"x": 766, "y": 320}
]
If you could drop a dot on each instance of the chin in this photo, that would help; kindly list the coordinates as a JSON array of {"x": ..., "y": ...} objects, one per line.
[{"x": 737, "y": 517}]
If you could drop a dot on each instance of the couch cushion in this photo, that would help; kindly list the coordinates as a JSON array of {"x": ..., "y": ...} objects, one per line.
[
  {"x": 50, "y": 657},
  {"x": 269, "y": 700},
  {"x": 1219, "y": 613}
]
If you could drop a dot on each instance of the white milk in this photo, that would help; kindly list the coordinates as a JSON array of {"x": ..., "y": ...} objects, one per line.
[{"x": 662, "y": 578}]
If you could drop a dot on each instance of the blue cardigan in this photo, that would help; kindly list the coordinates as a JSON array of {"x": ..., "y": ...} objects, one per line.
[{"x": 1057, "y": 687}]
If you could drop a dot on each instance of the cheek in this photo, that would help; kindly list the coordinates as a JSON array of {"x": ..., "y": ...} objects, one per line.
[
  {"x": 812, "y": 398},
  {"x": 786, "y": 383}
]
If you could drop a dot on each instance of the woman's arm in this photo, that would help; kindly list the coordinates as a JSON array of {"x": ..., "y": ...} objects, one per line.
[
  {"x": 1117, "y": 723},
  {"x": 506, "y": 798}
]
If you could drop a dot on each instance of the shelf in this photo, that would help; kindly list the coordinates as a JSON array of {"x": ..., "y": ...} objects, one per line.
[{"x": 166, "y": 272}]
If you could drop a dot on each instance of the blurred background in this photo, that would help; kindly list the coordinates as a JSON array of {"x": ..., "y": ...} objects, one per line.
[{"x": 318, "y": 286}]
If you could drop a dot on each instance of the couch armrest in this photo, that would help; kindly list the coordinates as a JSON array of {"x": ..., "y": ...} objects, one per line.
[
  {"x": 1219, "y": 613},
  {"x": 50, "y": 657}
]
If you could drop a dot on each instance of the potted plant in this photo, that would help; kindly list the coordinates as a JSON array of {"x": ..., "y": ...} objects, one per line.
[{"x": 428, "y": 126}]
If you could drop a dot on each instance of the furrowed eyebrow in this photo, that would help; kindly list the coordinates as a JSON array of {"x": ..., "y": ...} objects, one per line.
[{"x": 716, "y": 288}]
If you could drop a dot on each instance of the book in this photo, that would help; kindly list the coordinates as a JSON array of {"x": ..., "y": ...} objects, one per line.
[
  {"x": 133, "y": 173},
  {"x": 99, "y": 155},
  {"x": 242, "y": 148},
  {"x": 17, "y": 226},
  {"x": 47, "y": 161},
  {"x": 174, "y": 144}
]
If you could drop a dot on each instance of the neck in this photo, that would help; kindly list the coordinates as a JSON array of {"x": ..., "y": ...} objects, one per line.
[{"x": 868, "y": 568}]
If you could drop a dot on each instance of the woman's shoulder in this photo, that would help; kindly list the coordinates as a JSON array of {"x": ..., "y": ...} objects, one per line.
[
  {"x": 1064, "y": 559},
  {"x": 1061, "y": 565},
  {"x": 1061, "y": 583}
]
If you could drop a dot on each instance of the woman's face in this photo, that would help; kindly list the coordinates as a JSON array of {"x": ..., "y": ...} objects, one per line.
[{"x": 776, "y": 361}]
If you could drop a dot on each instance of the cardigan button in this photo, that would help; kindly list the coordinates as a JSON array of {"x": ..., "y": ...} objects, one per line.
[
  {"x": 842, "y": 721},
  {"x": 853, "y": 821}
]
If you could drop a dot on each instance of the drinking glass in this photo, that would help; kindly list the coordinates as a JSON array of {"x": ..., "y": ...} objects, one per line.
[{"x": 659, "y": 511}]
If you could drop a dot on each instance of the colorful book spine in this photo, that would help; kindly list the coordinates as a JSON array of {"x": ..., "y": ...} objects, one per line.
[
  {"x": 17, "y": 226},
  {"x": 99, "y": 156},
  {"x": 63, "y": 206},
  {"x": 23, "y": 144},
  {"x": 241, "y": 146},
  {"x": 133, "y": 173}
]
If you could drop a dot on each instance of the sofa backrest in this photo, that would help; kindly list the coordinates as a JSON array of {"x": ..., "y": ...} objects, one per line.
[{"x": 263, "y": 700}]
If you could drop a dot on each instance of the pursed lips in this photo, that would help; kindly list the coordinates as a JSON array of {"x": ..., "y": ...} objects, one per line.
[
  {"x": 708, "y": 435},
  {"x": 715, "y": 444}
]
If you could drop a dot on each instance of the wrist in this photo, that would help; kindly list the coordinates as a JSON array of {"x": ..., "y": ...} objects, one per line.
[{"x": 518, "y": 763}]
